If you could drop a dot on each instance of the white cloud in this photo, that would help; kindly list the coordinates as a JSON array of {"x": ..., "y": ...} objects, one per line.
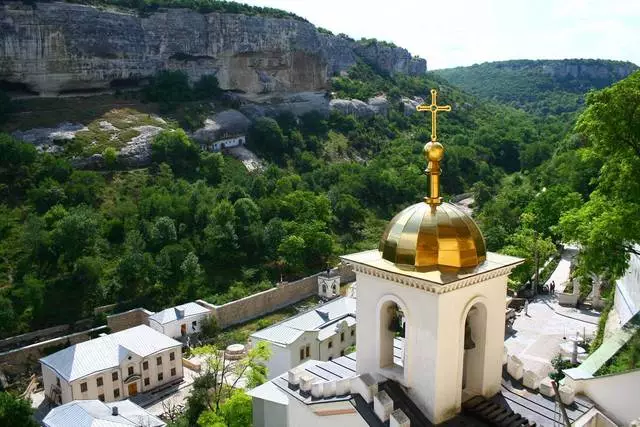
[{"x": 450, "y": 33}]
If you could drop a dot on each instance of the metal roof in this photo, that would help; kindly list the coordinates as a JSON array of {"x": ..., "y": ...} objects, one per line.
[
  {"x": 178, "y": 312},
  {"x": 107, "y": 352},
  {"x": 94, "y": 413},
  {"x": 321, "y": 318}
]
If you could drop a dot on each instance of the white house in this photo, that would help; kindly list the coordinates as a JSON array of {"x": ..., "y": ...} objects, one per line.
[
  {"x": 322, "y": 333},
  {"x": 112, "y": 367},
  {"x": 226, "y": 141},
  {"x": 179, "y": 321},
  {"x": 92, "y": 413}
]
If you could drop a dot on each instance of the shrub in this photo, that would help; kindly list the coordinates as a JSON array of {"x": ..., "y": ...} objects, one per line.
[
  {"x": 207, "y": 87},
  {"x": 168, "y": 88}
]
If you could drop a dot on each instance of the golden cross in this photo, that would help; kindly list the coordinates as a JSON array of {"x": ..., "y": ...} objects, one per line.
[{"x": 434, "y": 108}]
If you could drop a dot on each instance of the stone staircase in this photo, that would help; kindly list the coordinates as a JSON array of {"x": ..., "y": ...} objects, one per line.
[{"x": 494, "y": 413}]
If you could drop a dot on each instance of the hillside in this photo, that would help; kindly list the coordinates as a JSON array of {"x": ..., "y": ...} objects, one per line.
[{"x": 540, "y": 86}]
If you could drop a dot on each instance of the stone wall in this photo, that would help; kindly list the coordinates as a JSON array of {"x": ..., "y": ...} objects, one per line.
[
  {"x": 128, "y": 319},
  {"x": 283, "y": 295},
  {"x": 26, "y": 358}
]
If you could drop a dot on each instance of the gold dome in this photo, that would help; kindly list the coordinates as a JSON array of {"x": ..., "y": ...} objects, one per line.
[{"x": 422, "y": 237}]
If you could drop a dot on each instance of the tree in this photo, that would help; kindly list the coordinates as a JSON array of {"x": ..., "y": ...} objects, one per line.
[
  {"x": 207, "y": 87},
  {"x": 607, "y": 226},
  {"x": 15, "y": 412},
  {"x": 168, "y": 88},
  {"x": 176, "y": 149},
  {"x": 291, "y": 250},
  {"x": 265, "y": 136},
  {"x": 211, "y": 167}
]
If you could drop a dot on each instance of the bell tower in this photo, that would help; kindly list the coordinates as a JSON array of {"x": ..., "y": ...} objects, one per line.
[{"x": 431, "y": 301}]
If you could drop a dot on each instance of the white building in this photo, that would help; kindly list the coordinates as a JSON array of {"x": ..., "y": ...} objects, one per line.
[
  {"x": 179, "y": 321},
  {"x": 322, "y": 333},
  {"x": 112, "y": 367},
  {"x": 93, "y": 413},
  {"x": 226, "y": 141}
]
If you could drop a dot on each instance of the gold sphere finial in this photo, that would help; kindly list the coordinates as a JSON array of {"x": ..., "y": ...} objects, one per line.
[{"x": 433, "y": 151}]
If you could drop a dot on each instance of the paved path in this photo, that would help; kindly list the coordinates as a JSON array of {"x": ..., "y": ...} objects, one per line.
[{"x": 537, "y": 336}]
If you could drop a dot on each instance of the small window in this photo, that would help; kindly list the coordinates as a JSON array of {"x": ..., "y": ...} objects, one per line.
[
  {"x": 172, "y": 356},
  {"x": 302, "y": 354},
  {"x": 58, "y": 381},
  {"x": 330, "y": 345},
  {"x": 173, "y": 372},
  {"x": 341, "y": 352},
  {"x": 160, "y": 376},
  {"x": 145, "y": 365},
  {"x": 353, "y": 332},
  {"x": 116, "y": 393},
  {"x": 146, "y": 381},
  {"x": 99, "y": 381},
  {"x": 101, "y": 397},
  {"x": 130, "y": 370},
  {"x": 194, "y": 324},
  {"x": 114, "y": 376},
  {"x": 158, "y": 361},
  {"x": 330, "y": 358},
  {"x": 83, "y": 387},
  {"x": 341, "y": 336},
  {"x": 307, "y": 351}
]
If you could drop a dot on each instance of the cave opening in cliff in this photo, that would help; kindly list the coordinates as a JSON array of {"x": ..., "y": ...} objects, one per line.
[
  {"x": 129, "y": 83},
  {"x": 16, "y": 89}
]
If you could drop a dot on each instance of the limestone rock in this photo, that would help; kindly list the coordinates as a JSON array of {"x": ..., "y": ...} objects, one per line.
[
  {"x": 379, "y": 104},
  {"x": 225, "y": 122},
  {"x": 137, "y": 152},
  {"x": 57, "y": 47},
  {"x": 351, "y": 106},
  {"x": 298, "y": 104},
  {"x": 410, "y": 104},
  {"x": 50, "y": 139}
]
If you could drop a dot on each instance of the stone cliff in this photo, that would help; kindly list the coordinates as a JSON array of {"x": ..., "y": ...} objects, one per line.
[{"x": 55, "y": 48}]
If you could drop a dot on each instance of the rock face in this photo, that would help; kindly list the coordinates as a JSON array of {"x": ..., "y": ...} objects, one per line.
[
  {"x": 50, "y": 140},
  {"x": 225, "y": 122},
  {"x": 53, "y": 48},
  {"x": 297, "y": 103},
  {"x": 374, "y": 106}
]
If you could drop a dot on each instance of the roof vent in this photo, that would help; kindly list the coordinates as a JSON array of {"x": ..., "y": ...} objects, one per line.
[
  {"x": 323, "y": 314},
  {"x": 179, "y": 313},
  {"x": 114, "y": 411}
]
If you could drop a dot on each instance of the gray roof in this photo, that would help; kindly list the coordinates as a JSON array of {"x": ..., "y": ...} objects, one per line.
[
  {"x": 172, "y": 314},
  {"x": 93, "y": 413},
  {"x": 317, "y": 319},
  {"x": 107, "y": 352}
]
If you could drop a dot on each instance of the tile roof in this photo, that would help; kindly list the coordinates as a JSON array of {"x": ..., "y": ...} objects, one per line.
[
  {"x": 174, "y": 313},
  {"x": 322, "y": 318},
  {"x": 107, "y": 352},
  {"x": 93, "y": 413}
]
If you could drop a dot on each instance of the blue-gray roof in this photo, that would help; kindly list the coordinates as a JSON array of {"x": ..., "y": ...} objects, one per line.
[
  {"x": 178, "y": 312},
  {"x": 107, "y": 352},
  {"x": 316, "y": 319},
  {"x": 93, "y": 413}
]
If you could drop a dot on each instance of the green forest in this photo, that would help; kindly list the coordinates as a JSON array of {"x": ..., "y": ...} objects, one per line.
[{"x": 198, "y": 225}]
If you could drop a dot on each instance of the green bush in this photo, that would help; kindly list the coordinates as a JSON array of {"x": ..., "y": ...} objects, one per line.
[
  {"x": 602, "y": 322},
  {"x": 168, "y": 88},
  {"x": 207, "y": 87}
]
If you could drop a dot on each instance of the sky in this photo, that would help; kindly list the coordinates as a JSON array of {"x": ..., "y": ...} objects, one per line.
[{"x": 450, "y": 33}]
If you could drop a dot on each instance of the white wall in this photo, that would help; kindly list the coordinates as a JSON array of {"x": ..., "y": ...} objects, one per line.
[
  {"x": 617, "y": 395},
  {"x": 301, "y": 415},
  {"x": 173, "y": 329},
  {"x": 280, "y": 361},
  {"x": 627, "y": 296},
  {"x": 435, "y": 334},
  {"x": 49, "y": 379}
]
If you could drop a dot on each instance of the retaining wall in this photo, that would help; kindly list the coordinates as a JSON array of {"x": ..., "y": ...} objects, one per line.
[
  {"x": 128, "y": 319},
  {"x": 26, "y": 358}
]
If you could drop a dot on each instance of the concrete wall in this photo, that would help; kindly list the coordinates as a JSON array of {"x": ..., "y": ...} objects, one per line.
[
  {"x": 284, "y": 295},
  {"x": 128, "y": 319},
  {"x": 26, "y": 358},
  {"x": 627, "y": 297},
  {"x": 616, "y": 395}
]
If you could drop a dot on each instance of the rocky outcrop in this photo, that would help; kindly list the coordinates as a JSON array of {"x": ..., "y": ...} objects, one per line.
[
  {"x": 297, "y": 103},
  {"x": 374, "y": 106},
  {"x": 53, "y": 48},
  {"x": 50, "y": 140},
  {"x": 224, "y": 123}
]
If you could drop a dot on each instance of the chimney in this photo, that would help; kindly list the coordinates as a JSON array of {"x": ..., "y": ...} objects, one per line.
[
  {"x": 179, "y": 313},
  {"x": 114, "y": 411}
]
